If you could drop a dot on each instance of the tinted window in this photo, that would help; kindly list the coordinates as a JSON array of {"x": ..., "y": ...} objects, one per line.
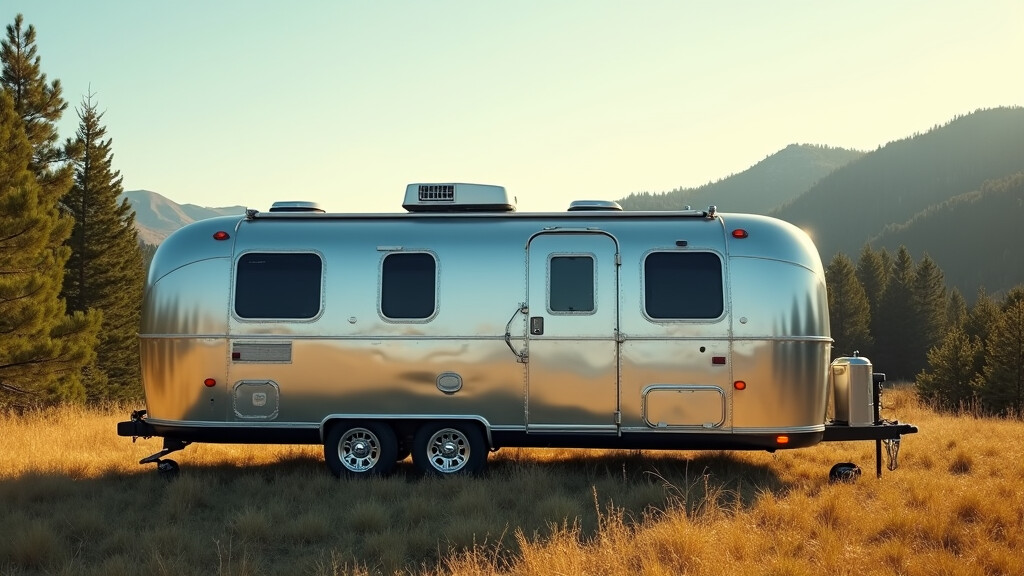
[
  {"x": 683, "y": 285},
  {"x": 408, "y": 286},
  {"x": 275, "y": 285},
  {"x": 572, "y": 284}
]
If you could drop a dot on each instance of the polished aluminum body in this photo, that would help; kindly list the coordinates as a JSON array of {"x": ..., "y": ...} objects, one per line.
[{"x": 611, "y": 373}]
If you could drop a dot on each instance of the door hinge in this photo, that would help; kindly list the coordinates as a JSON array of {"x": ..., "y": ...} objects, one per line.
[{"x": 618, "y": 417}]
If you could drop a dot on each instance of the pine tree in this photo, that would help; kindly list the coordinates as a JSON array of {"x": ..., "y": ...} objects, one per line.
[
  {"x": 896, "y": 321},
  {"x": 929, "y": 297},
  {"x": 105, "y": 269},
  {"x": 873, "y": 271},
  {"x": 952, "y": 371},
  {"x": 40, "y": 106},
  {"x": 1002, "y": 387},
  {"x": 956, "y": 310},
  {"x": 1016, "y": 294},
  {"x": 42, "y": 350},
  {"x": 983, "y": 316},
  {"x": 849, "y": 312}
]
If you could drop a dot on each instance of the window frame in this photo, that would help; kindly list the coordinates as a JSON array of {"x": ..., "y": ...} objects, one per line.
[
  {"x": 723, "y": 287},
  {"x": 594, "y": 283},
  {"x": 437, "y": 288},
  {"x": 321, "y": 287}
]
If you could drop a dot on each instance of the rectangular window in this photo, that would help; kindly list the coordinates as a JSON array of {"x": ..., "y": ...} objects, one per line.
[
  {"x": 408, "y": 286},
  {"x": 683, "y": 285},
  {"x": 278, "y": 285},
  {"x": 572, "y": 284}
]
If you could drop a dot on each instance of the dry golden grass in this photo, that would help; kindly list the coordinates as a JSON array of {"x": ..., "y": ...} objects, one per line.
[{"x": 73, "y": 500}]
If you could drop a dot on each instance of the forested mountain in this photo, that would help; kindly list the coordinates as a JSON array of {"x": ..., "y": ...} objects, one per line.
[
  {"x": 972, "y": 237},
  {"x": 892, "y": 185},
  {"x": 156, "y": 216},
  {"x": 763, "y": 187}
]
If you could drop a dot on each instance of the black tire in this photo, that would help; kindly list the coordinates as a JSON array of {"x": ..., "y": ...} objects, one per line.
[
  {"x": 360, "y": 449},
  {"x": 167, "y": 469},
  {"x": 449, "y": 448}
]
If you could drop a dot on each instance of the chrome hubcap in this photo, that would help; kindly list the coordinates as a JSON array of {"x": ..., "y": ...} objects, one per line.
[
  {"x": 448, "y": 450},
  {"x": 359, "y": 450}
]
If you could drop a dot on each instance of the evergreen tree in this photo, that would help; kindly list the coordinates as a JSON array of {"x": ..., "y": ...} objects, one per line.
[
  {"x": 929, "y": 297},
  {"x": 956, "y": 310},
  {"x": 952, "y": 370},
  {"x": 40, "y": 106},
  {"x": 105, "y": 269},
  {"x": 1016, "y": 294},
  {"x": 896, "y": 321},
  {"x": 1002, "y": 387},
  {"x": 873, "y": 271},
  {"x": 983, "y": 316},
  {"x": 42, "y": 350},
  {"x": 849, "y": 312},
  {"x": 148, "y": 251}
]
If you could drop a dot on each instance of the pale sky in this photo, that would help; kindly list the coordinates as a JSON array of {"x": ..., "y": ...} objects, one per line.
[{"x": 347, "y": 101}]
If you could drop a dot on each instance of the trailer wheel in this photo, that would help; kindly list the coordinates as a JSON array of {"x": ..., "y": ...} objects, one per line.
[
  {"x": 365, "y": 449},
  {"x": 444, "y": 448}
]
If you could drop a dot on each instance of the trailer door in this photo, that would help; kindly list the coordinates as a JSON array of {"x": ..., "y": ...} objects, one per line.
[{"x": 573, "y": 301}]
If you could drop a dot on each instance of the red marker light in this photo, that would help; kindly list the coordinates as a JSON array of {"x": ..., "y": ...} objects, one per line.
[
  {"x": 210, "y": 382},
  {"x": 739, "y": 233},
  {"x": 739, "y": 385},
  {"x": 782, "y": 440},
  {"x": 718, "y": 360},
  {"x": 221, "y": 235}
]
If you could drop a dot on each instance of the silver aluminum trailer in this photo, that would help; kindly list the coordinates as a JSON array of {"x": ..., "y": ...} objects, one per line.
[{"x": 463, "y": 326}]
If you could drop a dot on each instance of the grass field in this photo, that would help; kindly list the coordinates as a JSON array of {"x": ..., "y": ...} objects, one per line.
[{"x": 73, "y": 500}]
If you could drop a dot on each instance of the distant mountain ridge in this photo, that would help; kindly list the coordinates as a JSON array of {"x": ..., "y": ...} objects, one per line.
[
  {"x": 157, "y": 216},
  {"x": 890, "y": 186},
  {"x": 763, "y": 187}
]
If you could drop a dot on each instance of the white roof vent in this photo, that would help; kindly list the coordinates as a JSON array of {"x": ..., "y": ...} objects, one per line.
[
  {"x": 588, "y": 205},
  {"x": 296, "y": 206},
  {"x": 457, "y": 197}
]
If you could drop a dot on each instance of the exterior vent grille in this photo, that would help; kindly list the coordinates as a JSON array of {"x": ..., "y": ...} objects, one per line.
[
  {"x": 437, "y": 192},
  {"x": 456, "y": 197}
]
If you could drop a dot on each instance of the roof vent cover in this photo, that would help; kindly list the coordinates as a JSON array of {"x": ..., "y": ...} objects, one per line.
[
  {"x": 456, "y": 197},
  {"x": 296, "y": 206},
  {"x": 589, "y": 205}
]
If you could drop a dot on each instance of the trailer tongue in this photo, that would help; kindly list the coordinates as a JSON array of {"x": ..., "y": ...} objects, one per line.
[{"x": 856, "y": 413}]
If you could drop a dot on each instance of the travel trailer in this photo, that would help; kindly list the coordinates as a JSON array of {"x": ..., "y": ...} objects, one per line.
[{"x": 463, "y": 326}]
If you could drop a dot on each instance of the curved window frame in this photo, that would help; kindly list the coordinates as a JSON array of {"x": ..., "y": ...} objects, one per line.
[
  {"x": 277, "y": 290},
  {"x": 389, "y": 303},
  {"x": 672, "y": 290}
]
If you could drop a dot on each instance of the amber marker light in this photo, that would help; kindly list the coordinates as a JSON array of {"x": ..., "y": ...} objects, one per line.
[
  {"x": 210, "y": 382},
  {"x": 739, "y": 233},
  {"x": 739, "y": 385},
  {"x": 782, "y": 440},
  {"x": 221, "y": 235}
]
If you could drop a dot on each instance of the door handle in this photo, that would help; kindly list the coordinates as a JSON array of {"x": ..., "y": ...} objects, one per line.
[{"x": 536, "y": 325}]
